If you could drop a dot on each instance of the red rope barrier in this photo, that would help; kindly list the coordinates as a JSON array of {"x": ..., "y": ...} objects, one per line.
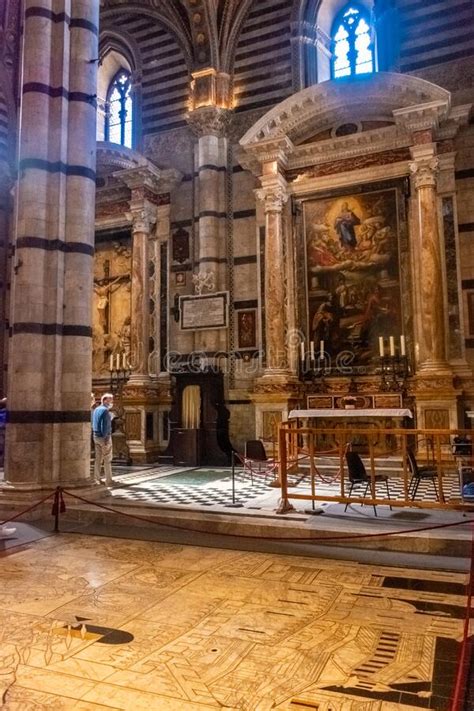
[
  {"x": 464, "y": 656},
  {"x": 30, "y": 508},
  {"x": 305, "y": 539}
]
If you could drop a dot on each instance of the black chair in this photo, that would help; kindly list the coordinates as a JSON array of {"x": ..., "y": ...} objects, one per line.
[
  {"x": 426, "y": 473},
  {"x": 358, "y": 475}
]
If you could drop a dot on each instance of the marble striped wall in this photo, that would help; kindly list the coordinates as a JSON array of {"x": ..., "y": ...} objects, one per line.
[
  {"x": 262, "y": 69},
  {"x": 3, "y": 129},
  {"x": 435, "y": 32},
  {"x": 165, "y": 84}
]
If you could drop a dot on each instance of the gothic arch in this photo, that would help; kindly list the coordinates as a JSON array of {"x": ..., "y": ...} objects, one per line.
[
  {"x": 232, "y": 21},
  {"x": 113, "y": 39}
]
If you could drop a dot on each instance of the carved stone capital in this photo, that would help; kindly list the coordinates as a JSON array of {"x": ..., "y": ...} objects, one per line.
[
  {"x": 425, "y": 172},
  {"x": 274, "y": 197},
  {"x": 142, "y": 219},
  {"x": 210, "y": 121}
]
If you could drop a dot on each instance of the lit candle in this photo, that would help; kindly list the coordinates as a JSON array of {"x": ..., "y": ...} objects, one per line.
[
  {"x": 321, "y": 349},
  {"x": 111, "y": 363},
  {"x": 402, "y": 345},
  {"x": 392, "y": 346},
  {"x": 124, "y": 361},
  {"x": 381, "y": 350},
  {"x": 302, "y": 351},
  {"x": 311, "y": 350},
  {"x": 117, "y": 361}
]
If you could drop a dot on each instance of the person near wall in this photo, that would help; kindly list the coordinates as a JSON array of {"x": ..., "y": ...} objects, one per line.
[
  {"x": 102, "y": 433},
  {"x": 5, "y": 531}
]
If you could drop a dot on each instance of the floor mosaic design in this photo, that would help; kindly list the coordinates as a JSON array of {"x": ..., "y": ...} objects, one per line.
[{"x": 92, "y": 623}]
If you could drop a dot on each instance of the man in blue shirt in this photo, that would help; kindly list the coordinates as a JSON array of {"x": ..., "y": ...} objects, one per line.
[
  {"x": 5, "y": 531},
  {"x": 102, "y": 433}
]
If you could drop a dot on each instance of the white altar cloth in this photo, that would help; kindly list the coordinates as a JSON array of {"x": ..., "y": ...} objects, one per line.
[{"x": 368, "y": 412}]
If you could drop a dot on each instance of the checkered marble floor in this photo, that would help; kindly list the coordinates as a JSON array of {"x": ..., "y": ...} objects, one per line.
[
  {"x": 151, "y": 486},
  {"x": 153, "y": 489}
]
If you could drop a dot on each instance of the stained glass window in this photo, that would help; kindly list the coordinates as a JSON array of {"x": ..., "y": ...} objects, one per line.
[
  {"x": 118, "y": 126},
  {"x": 352, "y": 43}
]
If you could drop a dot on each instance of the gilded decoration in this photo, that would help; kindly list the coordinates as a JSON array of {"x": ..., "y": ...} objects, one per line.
[
  {"x": 353, "y": 275},
  {"x": 111, "y": 306}
]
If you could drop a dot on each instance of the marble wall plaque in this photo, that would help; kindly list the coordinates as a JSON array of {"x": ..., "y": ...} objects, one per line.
[{"x": 206, "y": 311}]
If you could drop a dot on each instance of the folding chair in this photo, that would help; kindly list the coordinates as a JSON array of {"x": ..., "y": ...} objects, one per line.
[
  {"x": 358, "y": 475},
  {"x": 427, "y": 473}
]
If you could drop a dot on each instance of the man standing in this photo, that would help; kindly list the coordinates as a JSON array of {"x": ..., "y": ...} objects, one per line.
[
  {"x": 102, "y": 433},
  {"x": 5, "y": 531}
]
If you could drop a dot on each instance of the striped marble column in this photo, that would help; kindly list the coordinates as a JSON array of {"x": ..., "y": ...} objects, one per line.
[
  {"x": 49, "y": 384},
  {"x": 210, "y": 123},
  {"x": 5, "y": 211}
]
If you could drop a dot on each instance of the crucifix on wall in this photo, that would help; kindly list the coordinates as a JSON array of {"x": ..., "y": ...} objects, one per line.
[{"x": 104, "y": 289}]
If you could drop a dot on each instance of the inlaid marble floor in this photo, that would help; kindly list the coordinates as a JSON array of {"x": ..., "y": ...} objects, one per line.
[{"x": 89, "y": 622}]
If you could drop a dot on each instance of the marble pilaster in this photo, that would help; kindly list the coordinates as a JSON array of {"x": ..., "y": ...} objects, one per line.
[
  {"x": 431, "y": 327},
  {"x": 143, "y": 219},
  {"x": 274, "y": 195}
]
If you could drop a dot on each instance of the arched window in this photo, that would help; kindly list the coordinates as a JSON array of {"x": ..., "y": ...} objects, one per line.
[
  {"x": 352, "y": 45},
  {"x": 118, "y": 124}
]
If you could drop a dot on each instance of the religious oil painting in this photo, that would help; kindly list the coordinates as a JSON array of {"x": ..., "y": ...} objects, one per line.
[
  {"x": 353, "y": 276},
  {"x": 247, "y": 329}
]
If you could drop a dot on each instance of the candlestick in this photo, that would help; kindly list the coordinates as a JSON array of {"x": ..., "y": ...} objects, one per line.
[
  {"x": 392, "y": 346},
  {"x": 302, "y": 351},
  {"x": 402, "y": 345},
  {"x": 311, "y": 350},
  {"x": 381, "y": 348},
  {"x": 321, "y": 349}
]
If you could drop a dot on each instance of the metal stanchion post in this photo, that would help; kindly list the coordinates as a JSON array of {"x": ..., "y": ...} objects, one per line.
[{"x": 235, "y": 504}]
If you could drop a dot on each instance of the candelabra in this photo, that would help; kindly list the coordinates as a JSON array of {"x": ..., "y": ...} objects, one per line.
[
  {"x": 119, "y": 374},
  {"x": 315, "y": 369},
  {"x": 394, "y": 371}
]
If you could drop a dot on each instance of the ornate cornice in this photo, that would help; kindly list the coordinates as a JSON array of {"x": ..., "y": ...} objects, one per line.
[
  {"x": 372, "y": 95},
  {"x": 148, "y": 176},
  {"x": 343, "y": 148},
  {"x": 111, "y": 156}
]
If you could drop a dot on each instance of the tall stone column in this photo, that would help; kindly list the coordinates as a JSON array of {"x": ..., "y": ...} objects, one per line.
[
  {"x": 274, "y": 195},
  {"x": 49, "y": 383},
  {"x": 143, "y": 219},
  {"x": 210, "y": 123},
  {"x": 5, "y": 214},
  {"x": 432, "y": 334}
]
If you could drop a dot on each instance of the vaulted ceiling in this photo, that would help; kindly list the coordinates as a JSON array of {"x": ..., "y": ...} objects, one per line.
[{"x": 206, "y": 29}]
